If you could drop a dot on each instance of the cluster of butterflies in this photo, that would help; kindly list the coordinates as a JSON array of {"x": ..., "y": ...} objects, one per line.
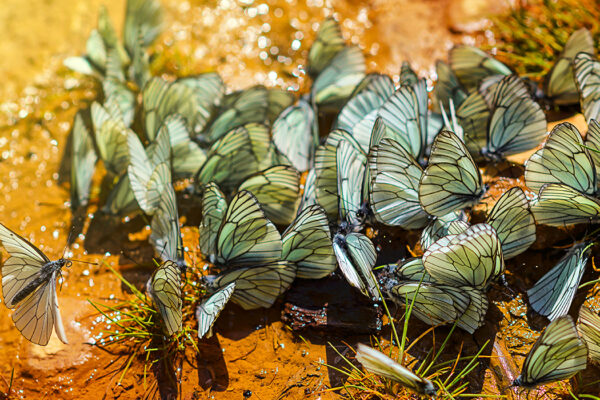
[{"x": 279, "y": 200}]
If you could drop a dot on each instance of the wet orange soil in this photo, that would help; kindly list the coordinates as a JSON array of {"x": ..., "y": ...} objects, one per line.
[{"x": 247, "y": 42}]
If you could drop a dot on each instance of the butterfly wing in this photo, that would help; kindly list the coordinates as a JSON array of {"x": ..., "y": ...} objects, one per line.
[
  {"x": 328, "y": 42},
  {"x": 307, "y": 243},
  {"x": 561, "y": 205},
  {"x": 351, "y": 163},
  {"x": 246, "y": 236},
  {"x": 82, "y": 163},
  {"x": 165, "y": 289},
  {"x": 208, "y": 311},
  {"x": 472, "y": 258},
  {"x": 214, "y": 207},
  {"x": 277, "y": 189},
  {"x": 166, "y": 233},
  {"x": 471, "y": 65},
  {"x": 23, "y": 265},
  {"x": 38, "y": 314},
  {"x": 452, "y": 180},
  {"x": 257, "y": 286},
  {"x": 559, "y": 353},
  {"x": 587, "y": 75},
  {"x": 588, "y": 326},
  {"x": 564, "y": 159},
  {"x": 513, "y": 222},
  {"x": 293, "y": 137},
  {"x": 553, "y": 294},
  {"x": 394, "y": 194},
  {"x": 379, "y": 364}
]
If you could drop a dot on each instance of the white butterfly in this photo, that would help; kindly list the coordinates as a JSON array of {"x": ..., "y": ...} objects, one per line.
[{"x": 29, "y": 287}]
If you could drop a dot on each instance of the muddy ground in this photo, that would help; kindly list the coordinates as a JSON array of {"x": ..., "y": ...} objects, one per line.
[{"x": 254, "y": 353}]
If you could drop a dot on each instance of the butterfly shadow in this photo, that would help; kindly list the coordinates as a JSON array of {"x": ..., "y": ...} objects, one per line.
[{"x": 212, "y": 369}]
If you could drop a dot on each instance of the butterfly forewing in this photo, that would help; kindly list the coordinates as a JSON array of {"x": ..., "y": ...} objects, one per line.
[
  {"x": 588, "y": 326},
  {"x": 165, "y": 289},
  {"x": 246, "y": 236},
  {"x": 208, "y": 312}
]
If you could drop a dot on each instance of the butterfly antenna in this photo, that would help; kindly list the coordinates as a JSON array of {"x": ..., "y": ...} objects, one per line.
[{"x": 84, "y": 262}]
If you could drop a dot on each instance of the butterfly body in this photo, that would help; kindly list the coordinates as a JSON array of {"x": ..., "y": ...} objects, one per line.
[{"x": 47, "y": 272}]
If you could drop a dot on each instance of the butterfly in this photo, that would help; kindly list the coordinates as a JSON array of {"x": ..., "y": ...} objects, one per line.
[
  {"x": 278, "y": 191},
  {"x": 166, "y": 233},
  {"x": 293, "y": 135},
  {"x": 472, "y": 65},
  {"x": 435, "y": 303},
  {"x": 164, "y": 288},
  {"x": 513, "y": 222},
  {"x": 149, "y": 170},
  {"x": 471, "y": 258},
  {"x": 588, "y": 326},
  {"x": 307, "y": 244},
  {"x": 394, "y": 186},
  {"x": 563, "y": 159},
  {"x": 29, "y": 287},
  {"x": 246, "y": 247},
  {"x": 328, "y": 42},
  {"x": 449, "y": 224},
  {"x": 209, "y": 90},
  {"x": 561, "y": 205},
  {"x": 587, "y": 75},
  {"x": 517, "y": 123},
  {"x": 187, "y": 156},
  {"x": 447, "y": 88},
  {"x": 560, "y": 85},
  {"x": 452, "y": 180},
  {"x": 551, "y": 296},
  {"x": 558, "y": 354},
  {"x": 378, "y": 363},
  {"x": 208, "y": 311},
  {"x": 83, "y": 162}
]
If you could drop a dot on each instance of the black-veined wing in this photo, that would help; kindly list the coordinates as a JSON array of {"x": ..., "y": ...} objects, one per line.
[
  {"x": 430, "y": 303},
  {"x": 517, "y": 122},
  {"x": 552, "y": 295},
  {"x": 214, "y": 207},
  {"x": 328, "y": 42},
  {"x": 449, "y": 224},
  {"x": 161, "y": 99},
  {"x": 471, "y": 65},
  {"x": 164, "y": 288},
  {"x": 166, "y": 233},
  {"x": 336, "y": 82},
  {"x": 237, "y": 155},
  {"x": 258, "y": 285},
  {"x": 188, "y": 157},
  {"x": 401, "y": 115},
  {"x": 293, "y": 135},
  {"x": 351, "y": 168},
  {"x": 588, "y": 325},
  {"x": 356, "y": 256},
  {"x": 149, "y": 170},
  {"x": 93, "y": 63},
  {"x": 394, "y": 194},
  {"x": 471, "y": 306},
  {"x": 473, "y": 116},
  {"x": 447, "y": 87},
  {"x": 561, "y": 205},
  {"x": 472, "y": 258},
  {"x": 592, "y": 142},
  {"x": 309, "y": 195},
  {"x": 111, "y": 139},
  {"x": 379, "y": 364},
  {"x": 563, "y": 159},
  {"x": 560, "y": 84},
  {"x": 240, "y": 108},
  {"x": 326, "y": 173},
  {"x": 412, "y": 270},
  {"x": 143, "y": 21},
  {"x": 307, "y": 243},
  {"x": 246, "y": 236},
  {"x": 209, "y": 90},
  {"x": 558, "y": 354},
  {"x": 83, "y": 161},
  {"x": 513, "y": 221},
  {"x": 452, "y": 180},
  {"x": 277, "y": 189},
  {"x": 208, "y": 311},
  {"x": 587, "y": 75},
  {"x": 29, "y": 287}
]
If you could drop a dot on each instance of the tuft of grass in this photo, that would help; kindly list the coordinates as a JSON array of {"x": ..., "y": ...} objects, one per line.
[
  {"x": 450, "y": 377},
  {"x": 530, "y": 36},
  {"x": 135, "y": 325}
]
